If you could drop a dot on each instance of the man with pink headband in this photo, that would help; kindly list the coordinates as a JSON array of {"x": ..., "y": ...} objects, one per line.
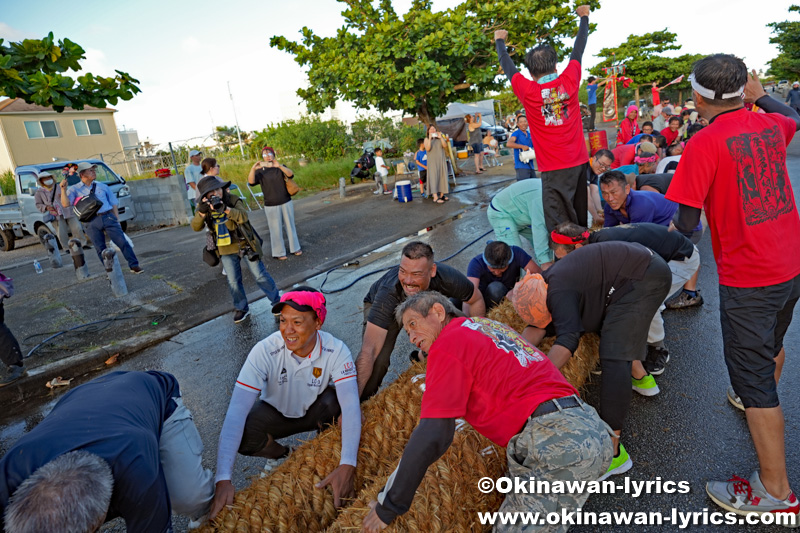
[{"x": 296, "y": 380}]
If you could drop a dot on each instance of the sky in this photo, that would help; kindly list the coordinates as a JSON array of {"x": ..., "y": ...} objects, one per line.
[{"x": 185, "y": 53}]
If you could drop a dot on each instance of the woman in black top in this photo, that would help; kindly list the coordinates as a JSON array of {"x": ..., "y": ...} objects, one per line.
[{"x": 278, "y": 206}]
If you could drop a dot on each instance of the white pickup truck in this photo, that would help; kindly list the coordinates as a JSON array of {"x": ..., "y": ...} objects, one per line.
[{"x": 18, "y": 213}]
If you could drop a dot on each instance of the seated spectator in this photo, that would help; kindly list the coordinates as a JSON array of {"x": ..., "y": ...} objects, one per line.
[
  {"x": 577, "y": 295},
  {"x": 268, "y": 403},
  {"x": 516, "y": 212},
  {"x": 624, "y": 206},
  {"x": 692, "y": 130},
  {"x": 629, "y": 127},
  {"x": 478, "y": 369},
  {"x": 601, "y": 162},
  {"x": 672, "y": 132},
  {"x": 647, "y": 130},
  {"x": 660, "y": 122},
  {"x": 682, "y": 257},
  {"x": 122, "y": 445},
  {"x": 497, "y": 270}
]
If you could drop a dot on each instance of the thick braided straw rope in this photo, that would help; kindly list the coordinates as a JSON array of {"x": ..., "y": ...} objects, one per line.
[{"x": 447, "y": 499}]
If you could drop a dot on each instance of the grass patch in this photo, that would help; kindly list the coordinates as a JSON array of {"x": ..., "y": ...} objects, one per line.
[
  {"x": 175, "y": 286},
  {"x": 51, "y": 307},
  {"x": 312, "y": 178},
  {"x": 157, "y": 276}
]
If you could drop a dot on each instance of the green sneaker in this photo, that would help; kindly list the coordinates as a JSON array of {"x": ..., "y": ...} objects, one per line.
[
  {"x": 646, "y": 386},
  {"x": 619, "y": 464}
]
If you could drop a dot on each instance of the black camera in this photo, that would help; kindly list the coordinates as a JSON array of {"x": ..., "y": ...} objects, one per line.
[
  {"x": 216, "y": 203},
  {"x": 249, "y": 253}
]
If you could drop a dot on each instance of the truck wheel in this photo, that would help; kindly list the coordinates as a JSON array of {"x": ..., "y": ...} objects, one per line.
[
  {"x": 43, "y": 230},
  {"x": 124, "y": 225},
  {"x": 7, "y": 240}
]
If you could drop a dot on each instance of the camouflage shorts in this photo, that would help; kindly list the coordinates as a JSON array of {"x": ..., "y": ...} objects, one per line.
[{"x": 568, "y": 445}]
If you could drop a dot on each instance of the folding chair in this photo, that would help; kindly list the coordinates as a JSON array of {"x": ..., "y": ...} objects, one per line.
[
  {"x": 234, "y": 189},
  {"x": 256, "y": 194},
  {"x": 490, "y": 156},
  {"x": 450, "y": 172}
]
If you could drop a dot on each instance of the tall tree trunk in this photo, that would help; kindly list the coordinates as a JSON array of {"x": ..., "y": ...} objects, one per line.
[{"x": 424, "y": 114}]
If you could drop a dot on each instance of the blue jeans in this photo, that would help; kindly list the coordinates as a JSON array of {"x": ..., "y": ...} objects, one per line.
[
  {"x": 233, "y": 269},
  {"x": 107, "y": 224}
]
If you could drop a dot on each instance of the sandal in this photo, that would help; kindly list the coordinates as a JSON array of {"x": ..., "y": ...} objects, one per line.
[
  {"x": 446, "y": 198},
  {"x": 298, "y": 252},
  {"x": 282, "y": 258},
  {"x": 438, "y": 201}
]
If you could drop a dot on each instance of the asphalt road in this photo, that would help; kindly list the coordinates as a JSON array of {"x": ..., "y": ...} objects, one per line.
[{"x": 688, "y": 432}]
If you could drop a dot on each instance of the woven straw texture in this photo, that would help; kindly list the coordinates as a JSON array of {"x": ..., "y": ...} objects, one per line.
[{"x": 447, "y": 499}]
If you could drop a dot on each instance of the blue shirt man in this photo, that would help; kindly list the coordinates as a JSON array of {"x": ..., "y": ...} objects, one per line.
[
  {"x": 105, "y": 223},
  {"x": 624, "y": 206},
  {"x": 521, "y": 141}
]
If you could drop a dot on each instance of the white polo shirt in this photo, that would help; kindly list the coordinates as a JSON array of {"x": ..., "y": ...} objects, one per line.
[{"x": 291, "y": 386}]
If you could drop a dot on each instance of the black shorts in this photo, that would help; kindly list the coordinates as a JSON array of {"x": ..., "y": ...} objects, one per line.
[{"x": 754, "y": 322}]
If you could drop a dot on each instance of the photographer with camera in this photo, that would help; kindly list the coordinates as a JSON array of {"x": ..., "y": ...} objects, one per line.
[{"x": 226, "y": 218}]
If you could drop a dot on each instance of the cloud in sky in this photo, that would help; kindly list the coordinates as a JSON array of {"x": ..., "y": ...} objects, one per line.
[{"x": 184, "y": 53}]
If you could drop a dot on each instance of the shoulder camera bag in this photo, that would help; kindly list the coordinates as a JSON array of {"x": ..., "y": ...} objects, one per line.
[{"x": 86, "y": 207}]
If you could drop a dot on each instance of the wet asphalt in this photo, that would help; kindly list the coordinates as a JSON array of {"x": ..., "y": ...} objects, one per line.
[{"x": 689, "y": 432}]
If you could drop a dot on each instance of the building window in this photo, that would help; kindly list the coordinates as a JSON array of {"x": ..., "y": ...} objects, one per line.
[
  {"x": 40, "y": 129},
  {"x": 90, "y": 126}
]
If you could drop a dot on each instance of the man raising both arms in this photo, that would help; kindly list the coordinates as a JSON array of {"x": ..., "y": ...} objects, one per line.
[{"x": 553, "y": 111}]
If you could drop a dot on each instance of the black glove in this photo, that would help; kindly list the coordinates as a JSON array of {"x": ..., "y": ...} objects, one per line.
[{"x": 204, "y": 207}]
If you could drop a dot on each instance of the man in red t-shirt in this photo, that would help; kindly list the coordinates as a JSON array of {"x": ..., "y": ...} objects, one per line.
[
  {"x": 553, "y": 110},
  {"x": 736, "y": 169},
  {"x": 511, "y": 393}
]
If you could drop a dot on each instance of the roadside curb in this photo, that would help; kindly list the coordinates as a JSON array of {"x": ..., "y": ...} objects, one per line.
[{"x": 14, "y": 396}]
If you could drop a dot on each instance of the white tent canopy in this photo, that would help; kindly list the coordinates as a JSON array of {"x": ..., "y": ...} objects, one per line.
[{"x": 458, "y": 110}]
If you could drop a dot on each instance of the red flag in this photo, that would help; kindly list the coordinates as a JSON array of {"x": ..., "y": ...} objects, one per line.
[{"x": 610, "y": 101}]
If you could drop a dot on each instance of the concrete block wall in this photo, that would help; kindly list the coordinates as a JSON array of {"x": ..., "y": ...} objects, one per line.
[{"x": 159, "y": 202}]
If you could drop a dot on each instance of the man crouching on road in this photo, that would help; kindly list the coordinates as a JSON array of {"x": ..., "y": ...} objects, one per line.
[{"x": 476, "y": 369}]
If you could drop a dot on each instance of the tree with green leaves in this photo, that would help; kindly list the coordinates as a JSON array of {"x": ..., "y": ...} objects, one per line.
[
  {"x": 422, "y": 61},
  {"x": 32, "y": 70},
  {"x": 644, "y": 62},
  {"x": 787, "y": 37}
]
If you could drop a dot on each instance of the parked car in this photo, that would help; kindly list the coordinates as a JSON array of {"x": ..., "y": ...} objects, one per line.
[
  {"x": 18, "y": 213},
  {"x": 783, "y": 85},
  {"x": 498, "y": 132},
  {"x": 644, "y": 109}
]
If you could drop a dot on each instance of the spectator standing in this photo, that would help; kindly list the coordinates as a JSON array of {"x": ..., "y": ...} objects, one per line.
[
  {"x": 591, "y": 98},
  {"x": 226, "y": 219},
  {"x": 475, "y": 140},
  {"x": 381, "y": 173},
  {"x": 793, "y": 97},
  {"x": 629, "y": 127},
  {"x": 552, "y": 107},
  {"x": 278, "y": 206},
  {"x": 192, "y": 174},
  {"x": 63, "y": 217},
  {"x": 122, "y": 445},
  {"x": 10, "y": 352},
  {"x": 435, "y": 146},
  {"x": 106, "y": 222},
  {"x": 421, "y": 157},
  {"x": 268, "y": 403},
  {"x": 521, "y": 141},
  {"x": 736, "y": 169}
]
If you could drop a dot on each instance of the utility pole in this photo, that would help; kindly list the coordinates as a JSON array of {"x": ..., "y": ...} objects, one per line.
[{"x": 235, "y": 118}]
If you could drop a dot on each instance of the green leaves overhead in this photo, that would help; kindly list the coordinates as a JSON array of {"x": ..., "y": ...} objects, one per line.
[
  {"x": 643, "y": 61},
  {"x": 422, "y": 61},
  {"x": 787, "y": 38},
  {"x": 31, "y": 70}
]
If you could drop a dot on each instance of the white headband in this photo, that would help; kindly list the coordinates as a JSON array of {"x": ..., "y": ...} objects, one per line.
[{"x": 708, "y": 93}]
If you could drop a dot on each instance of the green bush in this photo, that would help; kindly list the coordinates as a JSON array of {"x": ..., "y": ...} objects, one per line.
[
  {"x": 7, "y": 183},
  {"x": 310, "y": 137}
]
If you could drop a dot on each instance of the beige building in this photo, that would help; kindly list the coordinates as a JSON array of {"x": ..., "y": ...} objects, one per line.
[{"x": 31, "y": 133}]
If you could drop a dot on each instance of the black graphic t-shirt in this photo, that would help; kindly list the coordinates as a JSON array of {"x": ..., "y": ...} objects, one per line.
[{"x": 736, "y": 169}]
